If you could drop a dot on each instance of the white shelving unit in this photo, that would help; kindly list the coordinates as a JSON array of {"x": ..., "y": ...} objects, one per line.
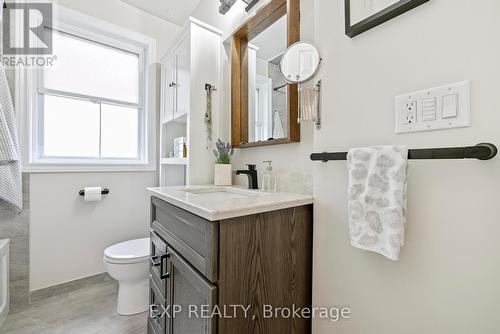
[{"x": 194, "y": 60}]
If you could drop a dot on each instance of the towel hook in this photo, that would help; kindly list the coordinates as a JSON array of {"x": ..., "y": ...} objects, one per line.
[{"x": 210, "y": 87}]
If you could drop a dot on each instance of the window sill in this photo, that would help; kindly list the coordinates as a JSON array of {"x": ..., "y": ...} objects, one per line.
[{"x": 86, "y": 168}]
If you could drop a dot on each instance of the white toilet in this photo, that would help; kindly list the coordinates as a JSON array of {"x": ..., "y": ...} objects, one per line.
[{"x": 127, "y": 262}]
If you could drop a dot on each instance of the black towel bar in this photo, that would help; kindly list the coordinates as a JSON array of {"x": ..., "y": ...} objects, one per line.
[
  {"x": 485, "y": 151},
  {"x": 103, "y": 192}
]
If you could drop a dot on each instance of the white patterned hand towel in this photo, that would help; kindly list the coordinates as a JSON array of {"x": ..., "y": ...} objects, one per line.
[
  {"x": 10, "y": 165},
  {"x": 377, "y": 198}
]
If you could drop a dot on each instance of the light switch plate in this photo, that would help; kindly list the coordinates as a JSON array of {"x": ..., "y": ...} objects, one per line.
[{"x": 433, "y": 108}]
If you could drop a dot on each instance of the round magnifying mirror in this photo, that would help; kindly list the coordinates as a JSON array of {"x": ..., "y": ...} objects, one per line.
[{"x": 300, "y": 63}]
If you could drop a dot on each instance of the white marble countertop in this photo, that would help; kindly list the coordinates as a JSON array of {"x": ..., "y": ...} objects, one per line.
[{"x": 218, "y": 203}]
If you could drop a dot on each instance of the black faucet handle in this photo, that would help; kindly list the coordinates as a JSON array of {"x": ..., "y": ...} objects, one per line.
[{"x": 251, "y": 167}]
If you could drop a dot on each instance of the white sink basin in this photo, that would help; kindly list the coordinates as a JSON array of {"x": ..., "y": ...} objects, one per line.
[{"x": 223, "y": 192}]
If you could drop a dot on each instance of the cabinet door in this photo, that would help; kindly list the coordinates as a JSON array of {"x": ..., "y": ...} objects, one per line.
[
  {"x": 190, "y": 293},
  {"x": 169, "y": 79},
  {"x": 157, "y": 310},
  {"x": 183, "y": 76}
]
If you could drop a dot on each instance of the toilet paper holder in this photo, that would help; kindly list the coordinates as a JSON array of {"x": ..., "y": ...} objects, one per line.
[{"x": 103, "y": 192}]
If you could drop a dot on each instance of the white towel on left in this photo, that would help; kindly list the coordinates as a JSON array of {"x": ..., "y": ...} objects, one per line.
[
  {"x": 377, "y": 198},
  {"x": 278, "y": 126},
  {"x": 10, "y": 165}
]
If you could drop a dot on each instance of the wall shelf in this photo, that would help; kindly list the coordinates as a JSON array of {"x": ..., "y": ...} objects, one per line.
[{"x": 174, "y": 161}]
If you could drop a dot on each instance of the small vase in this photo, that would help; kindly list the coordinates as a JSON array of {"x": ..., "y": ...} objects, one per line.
[{"x": 223, "y": 175}]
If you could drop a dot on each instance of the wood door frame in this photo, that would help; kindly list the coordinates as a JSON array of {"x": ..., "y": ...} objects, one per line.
[{"x": 260, "y": 21}]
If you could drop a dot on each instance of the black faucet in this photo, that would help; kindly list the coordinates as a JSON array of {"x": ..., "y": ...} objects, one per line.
[{"x": 253, "y": 182}]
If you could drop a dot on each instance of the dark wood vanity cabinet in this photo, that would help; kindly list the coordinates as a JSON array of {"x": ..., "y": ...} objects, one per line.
[{"x": 202, "y": 272}]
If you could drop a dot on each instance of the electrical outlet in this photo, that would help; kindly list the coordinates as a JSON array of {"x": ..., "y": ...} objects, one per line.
[
  {"x": 411, "y": 112},
  {"x": 438, "y": 108}
]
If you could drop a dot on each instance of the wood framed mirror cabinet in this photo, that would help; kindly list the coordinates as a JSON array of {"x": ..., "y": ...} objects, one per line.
[{"x": 264, "y": 106}]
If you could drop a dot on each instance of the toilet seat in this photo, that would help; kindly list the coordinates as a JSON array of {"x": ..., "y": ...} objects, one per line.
[{"x": 132, "y": 251}]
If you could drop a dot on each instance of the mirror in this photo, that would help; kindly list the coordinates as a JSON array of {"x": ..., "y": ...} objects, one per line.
[
  {"x": 264, "y": 106},
  {"x": 267, "y": 89},
  {"x": 300, "y": 63}
]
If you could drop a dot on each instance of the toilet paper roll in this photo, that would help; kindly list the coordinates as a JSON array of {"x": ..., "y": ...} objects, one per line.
[{"x": 92, "y": 194}]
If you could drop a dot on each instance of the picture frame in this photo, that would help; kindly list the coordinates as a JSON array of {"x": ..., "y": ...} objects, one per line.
[{"x": 363, "y": 15}]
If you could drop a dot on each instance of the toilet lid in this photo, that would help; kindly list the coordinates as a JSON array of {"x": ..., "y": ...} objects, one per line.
[{"x": 129, "y": 250}]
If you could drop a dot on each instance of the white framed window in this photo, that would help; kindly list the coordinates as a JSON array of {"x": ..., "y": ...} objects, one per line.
[{"x": 93, "y": 110}]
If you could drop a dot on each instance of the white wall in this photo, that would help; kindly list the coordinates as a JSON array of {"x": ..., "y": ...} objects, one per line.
[
  {"x": 127, "y": 16},
  {"x": 67, "y": 236},
  {"x": 289, "y": 157},
  {"x": 447, "y": 280}
]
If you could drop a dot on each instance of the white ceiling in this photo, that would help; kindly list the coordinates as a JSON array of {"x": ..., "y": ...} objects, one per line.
[{"x": 174, "y": 11}]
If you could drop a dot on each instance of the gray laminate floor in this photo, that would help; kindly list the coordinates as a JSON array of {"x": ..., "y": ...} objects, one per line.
[{"x": 90, "y": 310}]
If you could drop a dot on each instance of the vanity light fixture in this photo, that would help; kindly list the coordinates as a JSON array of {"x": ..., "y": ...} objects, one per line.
[
  {"x": 250, "y": 4},
  {"x": 225, "y": 5}
]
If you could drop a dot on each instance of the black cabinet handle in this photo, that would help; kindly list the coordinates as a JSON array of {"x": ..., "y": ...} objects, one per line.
[
  {"x": 172, "y": 84},
  {"x": 160, "y": 261},
  {"x": 153, "y": 261},
  {"x": 164, "y": 275}
]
